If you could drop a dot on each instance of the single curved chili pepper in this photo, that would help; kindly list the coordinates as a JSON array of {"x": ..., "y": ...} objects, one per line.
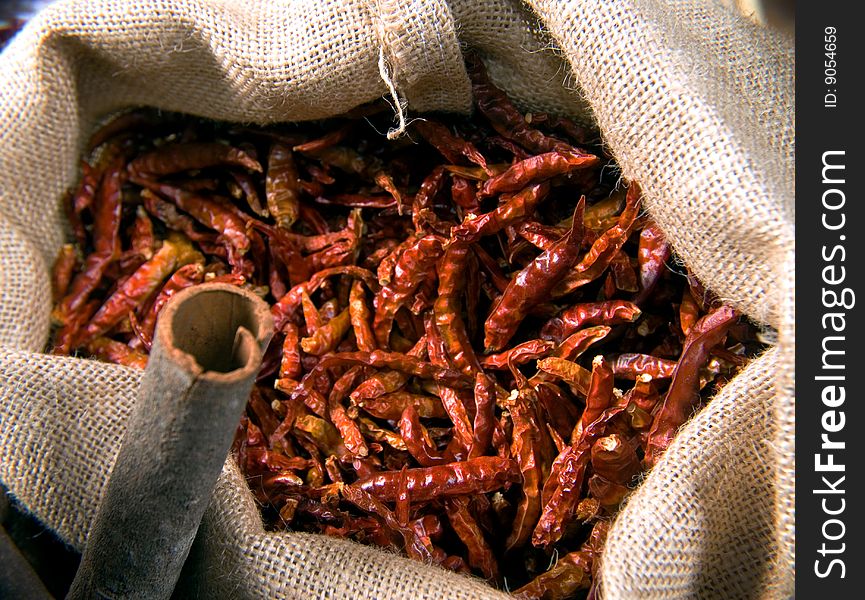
[
  {"x": 599, "y": 397},
  {"x": 689, "y": 312},
  {"x": 175, "y": 158},
  {"x": 519, "y": 354},
  {"x": 361, "y": 317},
  {"x": 485, "y": 418},
  {"x": 247, "y": 189},
  {"x": 391, "y": 406},
  {"x": 423, "y": 216},
  {"x": 632, "y": 365},
  {"x": 604, "y": 249},
  {"x": 109, "y": 350},
  {"x": 141, "y": 239},
  {"x": 614, "y": 459},
  {"x": 447, "y": 308},
  {"x": 683, "y": 394},
  {"x": 478, "y": 475},
  {"x": 174, "y": 220},
  {"x": 262, "y": 459},
  {"x": 351, "y": 434},
  {"x": 210, "y": 213},
  {"x": 652, "y": 254},
  {"x": 289, "y": 364},
  {"x": 609, "y": 312},
  {"x": 450, "y": 398},
  {"x": 175, "y": 252},
  {"x": 417, "y": 439},
  {"x": 536, "y": 169},
  {"x": 511, "y": 210},
  {"x": 372, "y": 431},
  {"x": 571, "y": 573},
  {"x": 410, "y": 271},
  {"x": 387, "y": 381},
  {"x": 385, "y": 182},
  {"x": 382, "y": 382},
  {"x": 327, "y": 337},
  {"x": 464, "y": 193},
  {"x": 329, "y": 139},
  {"x": 532, "y": 285},
  {"x": 480, "y": 554},
  {"x": 623, "y": 273},
  {"x": 450, "y": 146},
  {"x": 388, "y": 263},
  {"x": 527, "y": 449},
  {"x": 561, "y": 491},
  {"x": 281, "y": 186},
  {"x": 62, "y": 271}
]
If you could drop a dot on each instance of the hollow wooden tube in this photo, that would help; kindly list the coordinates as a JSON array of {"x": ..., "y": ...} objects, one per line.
[{"x": 207, "y": 350}]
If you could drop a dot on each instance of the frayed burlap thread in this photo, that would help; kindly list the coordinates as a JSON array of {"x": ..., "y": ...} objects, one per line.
[{"x": 695, "y": 103}]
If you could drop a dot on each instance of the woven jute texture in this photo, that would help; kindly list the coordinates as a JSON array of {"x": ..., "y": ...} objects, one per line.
[{"x": 694, "y": 101}]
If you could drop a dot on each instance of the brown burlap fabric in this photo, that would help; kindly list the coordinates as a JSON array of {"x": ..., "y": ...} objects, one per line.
[{"x": 695, "y": 102}]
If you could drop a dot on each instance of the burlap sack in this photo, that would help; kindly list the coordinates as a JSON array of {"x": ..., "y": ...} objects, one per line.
[{"x": 695, "y": 102}]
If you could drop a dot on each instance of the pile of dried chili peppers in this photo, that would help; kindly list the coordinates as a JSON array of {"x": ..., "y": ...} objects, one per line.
[{"x": 481, "y": 341}]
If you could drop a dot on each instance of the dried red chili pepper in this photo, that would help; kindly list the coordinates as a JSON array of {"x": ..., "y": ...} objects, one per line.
[
  {"x": 361, "y": 317},
  {"x": 518, "y": 355},
  {"x": 605, "y": 248},
  {"x": 391, "y": 405},
  {"x": 209, "y": 213},
  {"x": 282, "y": 188},
  {"x": 480, "y": 555},
  {"x": 478, "y": 475},
  {"x": 327, "y": 337},
  {"x": 175, "y": 252},
  {"x": 409, "y": 272},
  {"x": 684, "y": 392},
  {"x": 106, "y": 245},
  {"x": 527, "y": 447},
  {"x": 417, "y": 439},
  {"x": 175, "y": 158},
  {"x": 62, "y": 271},
  {"x": 532, "y": 284},
  {"x": 512, "y": 209},
  {"x": 450, "y": 146},
  {"x": 570, "y": 573},
  {"x": 116, "y": 352},
  {"x": 610, "y": 312},
  {"x": 614, "y": 459},
  {"x": 448, "y": 309},
  {"x": 632, "y": 365}
]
